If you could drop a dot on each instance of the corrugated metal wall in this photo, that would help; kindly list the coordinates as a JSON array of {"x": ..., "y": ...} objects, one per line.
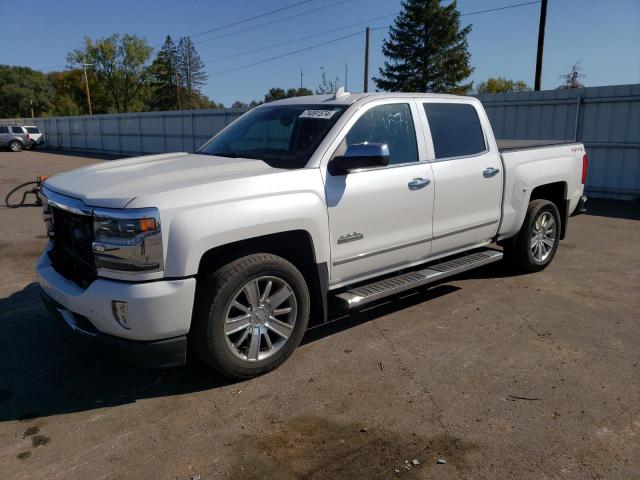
[
  {"x": 133, "y": 133},
  {"x": 605, "y": 119}
]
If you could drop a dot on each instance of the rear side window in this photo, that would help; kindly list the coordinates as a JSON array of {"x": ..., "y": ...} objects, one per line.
[
  {"x": 455, "y": 129},
  {"x": 33, "y": 130},
  {"x": 17, "y": 130},
  {"x": 4, "y": 129}
]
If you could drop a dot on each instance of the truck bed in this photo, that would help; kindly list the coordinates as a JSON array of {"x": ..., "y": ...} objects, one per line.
[{"x": 512, "y": 144}]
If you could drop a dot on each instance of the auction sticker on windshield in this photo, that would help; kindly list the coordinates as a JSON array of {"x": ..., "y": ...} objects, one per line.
[{"x": 323, "y": 114}]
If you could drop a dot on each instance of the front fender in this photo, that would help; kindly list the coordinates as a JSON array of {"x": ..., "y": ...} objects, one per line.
[{"x": 195, "y": 231}]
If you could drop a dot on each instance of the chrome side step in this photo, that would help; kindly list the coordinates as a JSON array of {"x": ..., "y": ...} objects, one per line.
[{"x": 358, "y": 296}]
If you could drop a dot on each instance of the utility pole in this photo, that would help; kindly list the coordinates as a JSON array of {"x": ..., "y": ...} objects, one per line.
[
  {"x": 86, "y": 84},
  {"x": 301, "y": 75},
  {"x": 31, "y": 104},
  {"x": 366, "y": 61},
  {"x": 543, "y": 22},
  {"x": 346, "y": 77}
]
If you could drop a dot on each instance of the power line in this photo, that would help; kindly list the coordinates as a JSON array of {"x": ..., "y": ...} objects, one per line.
[
  {"x": 500, "y": 8},
  {"x": 272, "y": 22},
  {"x": 244, "y": 20},
  {"x": 247, "y": 52},
  {"x": 248, "y": 19},
  {"x": 300, "y": 50},
  {"x": 483, "y": 11}
]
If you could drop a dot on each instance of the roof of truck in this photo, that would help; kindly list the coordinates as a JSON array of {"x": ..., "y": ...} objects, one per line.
[{"x": 346, "y": 98}]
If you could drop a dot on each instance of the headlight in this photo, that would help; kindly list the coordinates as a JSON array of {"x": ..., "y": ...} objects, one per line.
[{"x": 127, "y": 240}]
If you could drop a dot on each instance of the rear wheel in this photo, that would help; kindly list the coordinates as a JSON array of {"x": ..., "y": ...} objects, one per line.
[
  {"x": 250, "y": 315},
  {"x": 15, "y": 146},
  {"x": 536, "y": 243}
]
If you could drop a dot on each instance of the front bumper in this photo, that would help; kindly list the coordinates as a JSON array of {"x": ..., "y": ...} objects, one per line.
[
  {"x": 170, "y": 352},
  {"x": 159, "y": 313}
]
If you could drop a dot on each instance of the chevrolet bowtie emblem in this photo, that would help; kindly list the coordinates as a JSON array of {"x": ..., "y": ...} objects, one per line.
[{"x": 350, "y": 237}]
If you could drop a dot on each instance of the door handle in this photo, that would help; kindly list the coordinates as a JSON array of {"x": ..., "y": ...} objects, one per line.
[
  {"x": 418, "y": 183},
  {"x": 490, "y": 172}
]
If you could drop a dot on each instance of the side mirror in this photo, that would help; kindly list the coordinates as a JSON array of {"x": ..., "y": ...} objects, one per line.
[{"x": 358, "y": 156}]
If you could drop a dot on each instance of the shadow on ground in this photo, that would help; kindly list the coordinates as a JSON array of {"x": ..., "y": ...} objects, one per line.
[
  {"x": 601, "y": 207},
  {"x": 47, "y": 370}
]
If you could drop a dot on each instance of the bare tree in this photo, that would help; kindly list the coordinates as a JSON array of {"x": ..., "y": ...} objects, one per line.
[{"x": 572, "y": 79}]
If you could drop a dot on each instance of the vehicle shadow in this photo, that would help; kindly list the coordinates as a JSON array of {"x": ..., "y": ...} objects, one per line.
[
  {"x": 601, "y": 207},
  {"x": 47, "y": 370}
]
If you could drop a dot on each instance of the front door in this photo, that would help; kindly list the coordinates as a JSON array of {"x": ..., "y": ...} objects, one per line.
[{"x": 380, "y": 218}]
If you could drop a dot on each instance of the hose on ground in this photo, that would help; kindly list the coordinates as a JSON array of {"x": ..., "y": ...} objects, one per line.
[{"x": 23, "y": 201}]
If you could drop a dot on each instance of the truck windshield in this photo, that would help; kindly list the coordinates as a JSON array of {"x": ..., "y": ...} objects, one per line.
[{"x": 282, "y": 136}]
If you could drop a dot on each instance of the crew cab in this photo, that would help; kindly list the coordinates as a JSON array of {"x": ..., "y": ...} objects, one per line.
[{"x": 300, "y": 206}]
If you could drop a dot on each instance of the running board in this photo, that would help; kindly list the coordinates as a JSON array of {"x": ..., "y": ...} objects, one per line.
[{"x": 358, "y": 296}]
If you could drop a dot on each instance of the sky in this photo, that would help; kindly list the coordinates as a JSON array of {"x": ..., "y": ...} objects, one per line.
[{"x": 604, "y": 35}]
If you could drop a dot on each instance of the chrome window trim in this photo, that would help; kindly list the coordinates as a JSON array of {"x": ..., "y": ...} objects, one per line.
[
  {"x": 387, "y": 167},
  {"x": 462, "y": 157}
]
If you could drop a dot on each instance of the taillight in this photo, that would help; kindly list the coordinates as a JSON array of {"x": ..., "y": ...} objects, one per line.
[{"x": 585, "y": 164}]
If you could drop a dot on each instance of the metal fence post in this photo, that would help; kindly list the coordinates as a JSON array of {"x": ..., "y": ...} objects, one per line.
[
  {"x": 118, "y": 134},
  {"x": 193, "y": 138},
  {"x": 164, "y": 135},
  {"x": 100, "y": 133},
  {"x": 576, "y": 125}
]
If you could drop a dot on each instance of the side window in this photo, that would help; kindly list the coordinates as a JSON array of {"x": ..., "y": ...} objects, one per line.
[
  {"x": 33, "y": 130},
  {"x": 4, "y": 129},
  {"x": 455, "y": 129},
  {"x": 390, "y": 124},
  {"x": 17, "y": 130}
]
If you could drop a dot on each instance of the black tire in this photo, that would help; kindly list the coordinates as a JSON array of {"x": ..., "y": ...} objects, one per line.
[
  {"x": 15, "y": 146},
  {"x": 219, "y": 289},
  {"x": 519, "y": 250}
]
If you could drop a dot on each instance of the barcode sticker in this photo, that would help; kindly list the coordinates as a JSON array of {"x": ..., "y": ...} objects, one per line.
[{"x": 323, "y": 114}]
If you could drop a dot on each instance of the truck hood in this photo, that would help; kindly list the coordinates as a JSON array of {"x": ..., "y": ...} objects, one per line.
[{"x": 113, "y": 184}]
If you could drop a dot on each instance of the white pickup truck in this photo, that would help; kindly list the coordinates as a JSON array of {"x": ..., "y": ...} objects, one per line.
[{"x": 299, "y": 204}]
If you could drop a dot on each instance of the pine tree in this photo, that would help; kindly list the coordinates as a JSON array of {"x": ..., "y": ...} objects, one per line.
[
  {"x": 191, "y": 71},
  {"x": 427, "y": 50},
  {"x": 164, "y": 83}
]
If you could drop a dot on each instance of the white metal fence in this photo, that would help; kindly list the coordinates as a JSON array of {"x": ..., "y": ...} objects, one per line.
[
  {"x": 133, "y": 133},
  {"x": 606, "y": 119}
]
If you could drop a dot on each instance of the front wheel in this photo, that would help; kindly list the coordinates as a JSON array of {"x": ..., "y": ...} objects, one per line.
[
  {"x": 535, "y": 245},
  {"x": 250, "y": 315},
  {"x": 15, "y": 146}
]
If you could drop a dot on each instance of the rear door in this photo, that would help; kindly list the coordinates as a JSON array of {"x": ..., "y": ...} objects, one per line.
[
  {"x": 380, "y": 218},
  {"x": 467, "y": 174}
]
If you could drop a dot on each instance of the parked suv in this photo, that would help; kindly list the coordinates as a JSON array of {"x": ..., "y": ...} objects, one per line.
[
  {"x": 14, "y": 138},
  {"x": 35, "y": 136}
]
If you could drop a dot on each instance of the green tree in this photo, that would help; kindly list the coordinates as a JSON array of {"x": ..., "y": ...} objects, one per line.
[
  {"x": 298, "y": 92},
  {"x": 191, "y": 71},
  {"x": 22, "y": 88},
  {"x": 120, "y": 66},
  {"x": 427, "y": 50},
  {"x": 164, "y": 77},
  {"x": 500, "y": 84},
  {"x": 275, "y": 94}
]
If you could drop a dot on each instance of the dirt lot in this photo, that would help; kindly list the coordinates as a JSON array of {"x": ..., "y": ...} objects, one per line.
[{"x": 502, "y": 376}]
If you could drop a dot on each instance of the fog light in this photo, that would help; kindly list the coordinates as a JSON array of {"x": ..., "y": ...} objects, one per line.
[{"x": 120, "y": 313}]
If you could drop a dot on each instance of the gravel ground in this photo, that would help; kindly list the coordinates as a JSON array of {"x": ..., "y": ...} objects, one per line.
[{"x": 499, "y": 375}]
